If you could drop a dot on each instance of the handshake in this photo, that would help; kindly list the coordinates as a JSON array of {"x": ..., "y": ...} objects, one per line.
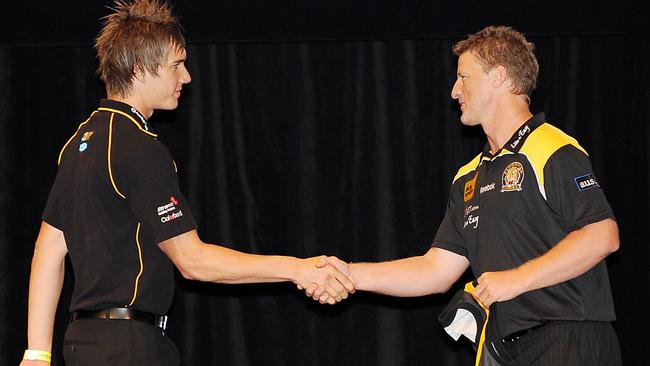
[{"x": 325, "y": 279}]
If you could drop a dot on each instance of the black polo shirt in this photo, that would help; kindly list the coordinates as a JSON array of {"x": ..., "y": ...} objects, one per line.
[
  {"x": 115, "y": 198},
  {"x": 514, "y": 205}
]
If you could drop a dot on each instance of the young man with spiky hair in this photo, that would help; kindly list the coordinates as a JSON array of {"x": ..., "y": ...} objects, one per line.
[{"x": 116, "y": 209}]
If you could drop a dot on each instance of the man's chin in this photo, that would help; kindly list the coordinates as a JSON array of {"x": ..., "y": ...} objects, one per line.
[
  {"x": 168, "y": 106},
  {"x": 465, "y": 120}
]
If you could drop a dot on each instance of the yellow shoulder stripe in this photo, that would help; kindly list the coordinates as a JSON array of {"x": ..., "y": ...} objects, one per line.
[
  {"x": 110, "y": 168},
  {"x": 72, "y": 137},
  {"x": 543, "y": 142},
  {"x": 129, "y": 117},
  {"x": 469, "y": 167}
]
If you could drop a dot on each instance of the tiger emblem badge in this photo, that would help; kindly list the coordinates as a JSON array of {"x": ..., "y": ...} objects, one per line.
[{"x": 512, "y": 177}]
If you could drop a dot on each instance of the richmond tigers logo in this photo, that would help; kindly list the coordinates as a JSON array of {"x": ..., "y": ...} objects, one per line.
[{"x": 512, "y": 177}]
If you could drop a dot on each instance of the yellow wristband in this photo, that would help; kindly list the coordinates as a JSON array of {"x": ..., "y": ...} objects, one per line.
[{"x": 36, "y": 355}]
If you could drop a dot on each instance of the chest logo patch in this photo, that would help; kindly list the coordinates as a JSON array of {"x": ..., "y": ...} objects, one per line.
[
  {"x": 468, "y": 192},
  {"x": 87, "y": 136},
  {"x": 84, "y": 141},
  {"x": 512, "y": 177}
]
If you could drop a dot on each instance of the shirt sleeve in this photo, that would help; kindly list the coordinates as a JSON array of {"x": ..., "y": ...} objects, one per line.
[
  {"x": 152, "y": 192},
  {"x": 448, "y": 236},
  {"x": 57, "y": 203},
  {"x": 572, "y": 189}
]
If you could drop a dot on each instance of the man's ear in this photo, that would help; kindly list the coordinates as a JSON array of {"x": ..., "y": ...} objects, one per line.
[
  {"x": 498, "y": 76},
  {"x": 138, "y": 74}
]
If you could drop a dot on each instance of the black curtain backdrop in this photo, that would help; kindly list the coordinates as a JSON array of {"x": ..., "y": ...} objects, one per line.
[
  {"x": 208, "y": 21},
  {"x": 303, "y": 148}
]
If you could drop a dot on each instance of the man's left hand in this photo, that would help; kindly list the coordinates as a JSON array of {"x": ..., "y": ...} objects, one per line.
[{"x": 498, "y": 286}]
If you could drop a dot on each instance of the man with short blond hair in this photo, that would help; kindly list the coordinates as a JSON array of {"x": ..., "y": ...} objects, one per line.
[{"x": 527, "y": 215}]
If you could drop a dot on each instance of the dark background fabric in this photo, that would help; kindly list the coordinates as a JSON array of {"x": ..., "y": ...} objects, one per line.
[
  {"x": 309, "y": 145},
  {"x": 206, "y": 21}
]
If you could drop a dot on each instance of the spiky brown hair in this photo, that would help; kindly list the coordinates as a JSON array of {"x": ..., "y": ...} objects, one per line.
[{"x": 137, "y": 36}]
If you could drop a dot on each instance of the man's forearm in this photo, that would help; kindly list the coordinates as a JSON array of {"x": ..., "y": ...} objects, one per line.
[
  {"x": 45, "y": 284},
  {"x": 213, "y": 263},
  {"x": 574, "y": 255},
  {"x": 431, "y": 273},
  {"x": 223, "y": 265},
  {"x": 206, "y": 262}
]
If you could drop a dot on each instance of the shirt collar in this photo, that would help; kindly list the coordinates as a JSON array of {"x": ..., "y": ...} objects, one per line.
[
  {"x": 130, "y": 111},
  {"x": 517, "y": 140}
]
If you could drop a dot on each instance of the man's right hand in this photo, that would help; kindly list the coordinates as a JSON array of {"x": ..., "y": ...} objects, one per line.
[
  {"x": 330, "y": 283},
  {"x": 318, "y": 293}
]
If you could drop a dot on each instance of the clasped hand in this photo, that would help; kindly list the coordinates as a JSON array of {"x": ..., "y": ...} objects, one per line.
[{"x": 331, "y": 282}]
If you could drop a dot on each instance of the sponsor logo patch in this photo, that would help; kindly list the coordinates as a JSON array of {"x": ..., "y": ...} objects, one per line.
[
  {"x": 166, "y": 211},
  {"x": 585, "y": 182},
  {"x": 469, "y": 209},
  {"x": 468, "y": 192},
  {"x": 470, "y": 220},
  {"x": 522, "y": 132},
  {"x": 486, "y": 188},
  {"x": 512, "y": 177},
  {"x": 171, "y": 217},
  {"x": 87, "y": 136},
  {"x": 84, "y": 144}
]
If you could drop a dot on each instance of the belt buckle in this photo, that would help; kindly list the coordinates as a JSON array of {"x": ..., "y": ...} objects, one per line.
[{"x": 119, "y": 313}]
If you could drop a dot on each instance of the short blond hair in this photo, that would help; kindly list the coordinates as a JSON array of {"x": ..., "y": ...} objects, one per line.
[
  {"x": 137, "y": 36},
  {"x": 507, "y": 47}
]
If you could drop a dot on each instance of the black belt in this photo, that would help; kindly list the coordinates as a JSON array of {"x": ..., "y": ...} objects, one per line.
[
  {"x": 516, "y": 335},
  {"x": 159, "y": 321}
]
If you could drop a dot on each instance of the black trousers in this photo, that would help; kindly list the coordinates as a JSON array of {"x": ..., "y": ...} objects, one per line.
[
  {"x": 568, "y": 343},
  {"x": 104, "y": 342}
]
